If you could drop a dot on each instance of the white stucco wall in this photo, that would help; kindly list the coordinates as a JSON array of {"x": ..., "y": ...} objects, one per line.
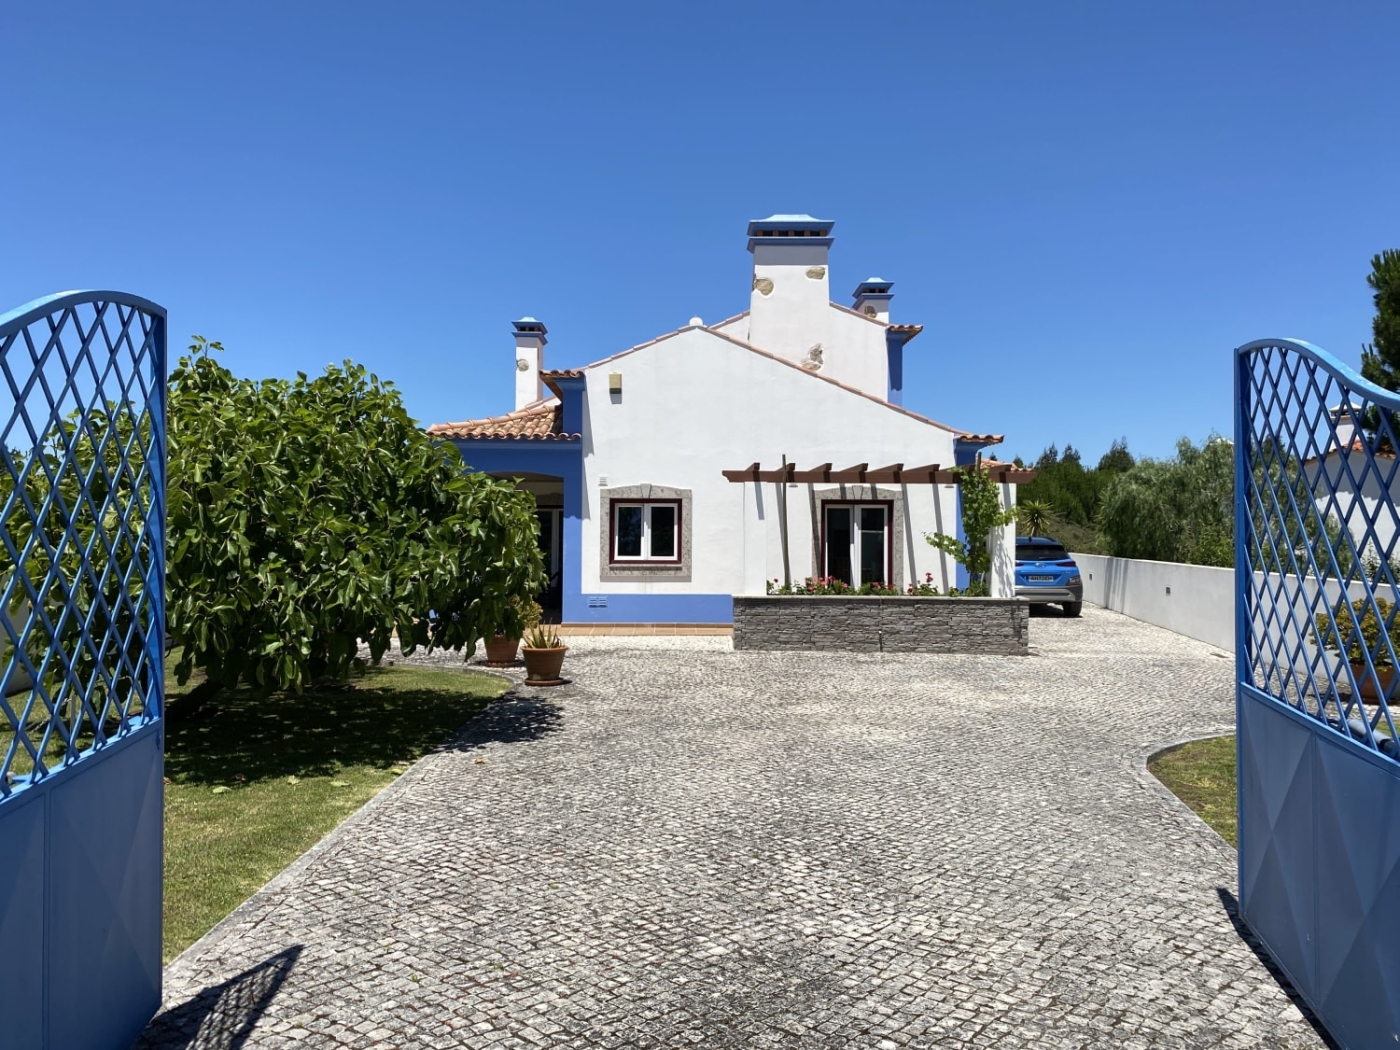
[
  {"x": 528, "y": 388},
  {"x": 1201, "y": 602},
  {"x": 1003, "y": 582},
  {"x": 735, "y": 328},
  {"x": 791, "y": 314},
  {"x": 1195, "y": 600},
  {"x": 789, "y": 318},
  {"x": 856, "y": 354},
  {"x": 1375, "y": 504},
  {"x": 694, "y": 405}
]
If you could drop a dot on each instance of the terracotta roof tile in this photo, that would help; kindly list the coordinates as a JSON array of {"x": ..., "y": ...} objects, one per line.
[{"x": 543, "y": 422}]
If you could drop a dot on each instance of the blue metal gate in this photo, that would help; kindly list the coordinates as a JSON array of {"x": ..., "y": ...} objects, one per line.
[
  {"x": 1317, "y": 546},
  {"x": 82, "y": 626}
]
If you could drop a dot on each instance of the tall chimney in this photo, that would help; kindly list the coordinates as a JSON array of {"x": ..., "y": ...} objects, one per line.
[
  {"x": 872, "y": 298},
  {"x": 529, "y": 360},
  {"x": 789, "y": 307}
]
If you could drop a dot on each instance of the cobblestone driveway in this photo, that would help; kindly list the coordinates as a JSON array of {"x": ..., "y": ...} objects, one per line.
[{"x": 691, "y": 846}]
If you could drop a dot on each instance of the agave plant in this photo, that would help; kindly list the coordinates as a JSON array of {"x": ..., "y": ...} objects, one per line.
[{"x": 543, "y": 637}]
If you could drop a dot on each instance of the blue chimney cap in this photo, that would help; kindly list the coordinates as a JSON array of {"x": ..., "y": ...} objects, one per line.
[
  {"x": 790, "y": 230},
  {"x": 529, "y": 324},
  {"x": 791, "y": 226},
  {"x": 872, "y": 287}
]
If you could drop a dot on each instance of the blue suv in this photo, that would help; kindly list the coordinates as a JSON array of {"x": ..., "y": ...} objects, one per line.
[{"x": 1046, "y": 573}]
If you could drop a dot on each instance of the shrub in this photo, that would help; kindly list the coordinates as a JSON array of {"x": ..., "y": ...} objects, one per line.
[
  {"x": 1373, "y": 628},
  {"x": 308, "y": 515}
]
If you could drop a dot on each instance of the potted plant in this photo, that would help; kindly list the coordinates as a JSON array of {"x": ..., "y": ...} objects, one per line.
[
  {"x": 1344, "y": 621},
  {"x": 544, "y": 656},
  {"x": 522, "y": 615}
]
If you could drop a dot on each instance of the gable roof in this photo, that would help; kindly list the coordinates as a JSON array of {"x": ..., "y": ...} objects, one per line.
[
  {"x": 990, "y": 439},
  {"x": 543, "y": 421},
  {"x": 490, "y": 427}
]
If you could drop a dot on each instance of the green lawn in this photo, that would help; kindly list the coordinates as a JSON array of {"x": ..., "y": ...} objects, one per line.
[
  {"x": 1202, "y": 774},
  {"x": 254, "y": 783}
]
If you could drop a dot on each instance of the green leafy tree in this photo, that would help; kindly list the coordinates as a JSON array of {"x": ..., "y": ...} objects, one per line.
[
  {"x": 308, "y": 515},
  {"x": 982, "y": 513},
  {"x": 1380, "y": 359},
  {"x": 1181, "y": 509},
  {"x": 1062, "y": 482},
  {"x": 1117, "y": 459}
]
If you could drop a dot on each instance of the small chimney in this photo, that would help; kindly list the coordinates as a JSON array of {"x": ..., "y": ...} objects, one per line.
[
  {"x": 872, "y": 298},
  {"x": 529, "y": 360},
  {"x": 1343, "y": 419}
]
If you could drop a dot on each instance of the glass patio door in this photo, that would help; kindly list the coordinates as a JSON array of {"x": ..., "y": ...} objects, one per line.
[{"x": 856, "y": 543}]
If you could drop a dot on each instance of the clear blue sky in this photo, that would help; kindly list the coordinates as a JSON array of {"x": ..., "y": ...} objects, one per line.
[{"x": 1086, "y": 204}]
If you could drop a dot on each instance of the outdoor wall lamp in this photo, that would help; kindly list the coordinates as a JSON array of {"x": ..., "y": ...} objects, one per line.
[{"x": 614, "y": 382}]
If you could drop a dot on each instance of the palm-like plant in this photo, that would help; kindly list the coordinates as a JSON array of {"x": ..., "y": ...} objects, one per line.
[{"x": 1034, "y": 515}]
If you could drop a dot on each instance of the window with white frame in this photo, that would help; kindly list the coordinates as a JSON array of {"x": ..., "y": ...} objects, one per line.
[{"x": 646, "y": 531}]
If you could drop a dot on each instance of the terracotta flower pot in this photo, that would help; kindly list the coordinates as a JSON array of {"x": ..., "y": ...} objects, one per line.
[
  {"x": 543, "y": 665},
  {"x": 501, "y": 650},
  {"x": 1368, "y": 683}
]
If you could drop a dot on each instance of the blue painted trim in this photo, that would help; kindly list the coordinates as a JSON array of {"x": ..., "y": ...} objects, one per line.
[
  {"x": 791, "y": 222},
  {"x": 573, "y": 390},
  {"x": 655, "y": 608},
  {"x": 965, "y": 450},
  {"x": 964, "y": 455},
  {"x": 1343, "y": 372},
  {"x": 872, "y": 289},
  {"x": 25, "y": 315},
  {"x": 792, "y": 242},
  {"x": 894, "y": 357},
  {"x": 562, "y": 459},
  {"x": 1242, "y": 658}
]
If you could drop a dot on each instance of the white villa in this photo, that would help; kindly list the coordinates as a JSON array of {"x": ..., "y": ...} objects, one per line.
[{"x": 707, "y": 461}]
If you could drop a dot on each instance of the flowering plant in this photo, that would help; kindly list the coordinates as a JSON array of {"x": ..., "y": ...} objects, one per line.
[{"x": 832, "y": 585}]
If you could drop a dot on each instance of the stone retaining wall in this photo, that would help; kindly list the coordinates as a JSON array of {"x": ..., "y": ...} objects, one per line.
[{"x": 992, "y": 626}]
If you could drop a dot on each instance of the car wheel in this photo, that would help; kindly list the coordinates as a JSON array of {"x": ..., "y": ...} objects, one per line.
[{"x": 1073, "y": 608}]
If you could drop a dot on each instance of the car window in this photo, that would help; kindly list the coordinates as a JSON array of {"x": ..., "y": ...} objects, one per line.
[{"x": 1041, "y": 552}]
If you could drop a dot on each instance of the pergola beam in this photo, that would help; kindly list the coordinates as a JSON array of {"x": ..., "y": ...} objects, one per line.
[{"x": 860, "y": 473}]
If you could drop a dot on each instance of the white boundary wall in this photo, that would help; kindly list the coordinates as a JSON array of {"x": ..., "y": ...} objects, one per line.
[{"x": 1195, "y": 600}]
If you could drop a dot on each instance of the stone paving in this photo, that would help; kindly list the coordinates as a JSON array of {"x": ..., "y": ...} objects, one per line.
[{"x": 690, "y": 846}]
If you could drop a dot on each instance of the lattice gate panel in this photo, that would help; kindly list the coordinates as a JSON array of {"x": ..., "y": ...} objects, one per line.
[
  {"x": 82, "y": 630},
  {"x": 1317, "y": 564}
]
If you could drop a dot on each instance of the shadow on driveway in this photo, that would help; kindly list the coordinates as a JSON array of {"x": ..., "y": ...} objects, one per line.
[
  {"x": 222, "y": 1017},
  {"x": 1232, "y": 911}
]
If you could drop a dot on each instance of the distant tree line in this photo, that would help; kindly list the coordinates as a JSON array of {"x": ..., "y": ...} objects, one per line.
[
  {"x": 1182, "y": 508},
  {"x": 1175, "y": 509}
]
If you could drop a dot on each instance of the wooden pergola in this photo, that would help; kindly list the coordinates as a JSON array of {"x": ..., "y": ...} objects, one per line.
[{"x": 863, "y": 474}]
